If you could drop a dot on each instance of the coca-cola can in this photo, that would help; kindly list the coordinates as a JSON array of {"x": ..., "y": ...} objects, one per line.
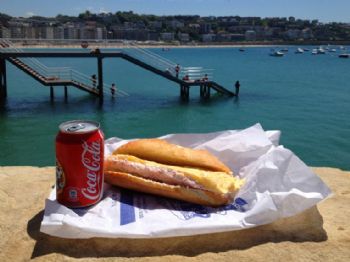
[{"x": 79, "y": 163}]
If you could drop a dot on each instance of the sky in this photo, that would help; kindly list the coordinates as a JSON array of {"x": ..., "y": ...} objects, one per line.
[{"x": 323, "y": 10}]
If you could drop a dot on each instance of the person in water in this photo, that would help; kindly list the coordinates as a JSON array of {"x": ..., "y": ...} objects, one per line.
[
  {"x": 93, "y": 80},
  {"x": 237, "y": 86},
  {"x": 113, "y": 89}
]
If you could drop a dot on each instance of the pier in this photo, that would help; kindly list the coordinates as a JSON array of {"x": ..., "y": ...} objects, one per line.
[{"x": 62, "y": 76}]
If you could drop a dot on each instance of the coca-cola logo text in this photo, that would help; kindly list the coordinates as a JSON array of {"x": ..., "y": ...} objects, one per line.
[{"x": 91, "y": 159}]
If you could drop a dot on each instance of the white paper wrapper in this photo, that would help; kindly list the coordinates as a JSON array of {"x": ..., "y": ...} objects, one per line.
[{"x": 278, "y": 184}]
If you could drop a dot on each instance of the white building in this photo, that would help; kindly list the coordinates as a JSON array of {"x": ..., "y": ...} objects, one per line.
[
  {"x": 175, "y": 24},
  {"x": 100, "y": 33},
  {"x": 183, "y": 37},
  {"x": 58, "y": 32},
  {"x": 293, "y": 34},
  {"x": 156, "y": 24},
  {"x": 49, "y": 32},
  {"x": 250, "y": 35},
  {"x": 306, "y": 33},
  {"x": 208, "y": 37},
  {"x": 70, "y": 31},
  {"x": 4, "y": 32},
  {"x": 167, "y": 36}
]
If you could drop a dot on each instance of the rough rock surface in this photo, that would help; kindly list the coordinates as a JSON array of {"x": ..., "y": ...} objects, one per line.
[{"x": 321, "y": 233}]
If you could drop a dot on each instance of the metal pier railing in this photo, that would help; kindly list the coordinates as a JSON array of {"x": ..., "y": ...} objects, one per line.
[{"x": 54, "y": 74}]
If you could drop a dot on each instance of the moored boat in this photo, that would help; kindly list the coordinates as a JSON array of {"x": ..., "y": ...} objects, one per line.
[
  {"x": 321, "y": 51},
  {"x": 299, "y": 50},
  {"x": 277, "y": 54}
]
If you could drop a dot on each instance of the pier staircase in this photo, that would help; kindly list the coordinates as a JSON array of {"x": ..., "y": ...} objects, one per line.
[
  {"x": 166, "y": 68},
  {"x": 185, "y": 77},
  {"x": 54, "y": 76}
]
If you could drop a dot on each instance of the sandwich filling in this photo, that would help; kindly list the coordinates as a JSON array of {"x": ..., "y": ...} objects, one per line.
[
  {"x": 219, "y": 182},
  {"x": 156, "y": 173}
]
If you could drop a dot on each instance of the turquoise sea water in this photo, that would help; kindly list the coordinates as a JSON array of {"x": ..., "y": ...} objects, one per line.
[{"x": 305, "y": 96}]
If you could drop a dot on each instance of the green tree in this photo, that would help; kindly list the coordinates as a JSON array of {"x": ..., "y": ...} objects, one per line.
[{"x": 4, "y": 18}]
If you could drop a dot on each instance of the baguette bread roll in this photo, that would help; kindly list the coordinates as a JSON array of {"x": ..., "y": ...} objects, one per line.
[
  {"x": 187, "y": 182},
  {"x": 161, "y": 151},
  {"x": 196, "y": 196}
]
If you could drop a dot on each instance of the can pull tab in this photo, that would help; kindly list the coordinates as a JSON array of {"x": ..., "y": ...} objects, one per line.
[{"x": 75, "y": 127}]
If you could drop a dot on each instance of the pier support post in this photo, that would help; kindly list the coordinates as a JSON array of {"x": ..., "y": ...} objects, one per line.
[
  {"x": 205, "y": 91},
  {"x": 100, "y": 77},
  {"x": 207, "y": 94},
  {"x": 51, "y": 93},
  {"x": 184, "y": 91},
  {"x": 3, "y": 82},
  {"x": 65, "y": 93},
  {"x": 201, "y": 92}
]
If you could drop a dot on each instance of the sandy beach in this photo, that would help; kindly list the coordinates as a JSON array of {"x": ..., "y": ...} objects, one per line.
[{"x": 318, "y": 234}]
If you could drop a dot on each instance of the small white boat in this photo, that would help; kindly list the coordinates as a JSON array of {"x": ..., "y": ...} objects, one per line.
[
  {"x": 299, "y": 50},
  {"x": 321, "y": 51},
  {"x": 277, "y": 53},
  {"x": 318, "y": 51},
  {"x": 344, "y": 56}
]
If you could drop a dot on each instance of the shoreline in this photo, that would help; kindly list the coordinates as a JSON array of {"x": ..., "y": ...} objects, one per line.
[
  {"x": 143, "y": 46},
  {"x": 103, "y": 44}
]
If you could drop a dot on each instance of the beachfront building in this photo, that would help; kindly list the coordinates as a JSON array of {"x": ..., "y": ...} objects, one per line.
[
  {"x": 129, "y": 33},
  {"x": 194, "y": 27},
  {"x": 157, "y": 25},
  {"x": 183, "y": 37},
  {"x": 16, "y": 28},
  {"x": 153, "y": 36},
  {"x": 49, "y": 32},
  {"x": 101, "y": 33},
  {"x": 307, "y": 33},
  {"x": 71, "y": 31},
  {"x": 228, "y": 37},
  {"x": 58, "y": 32},
  {"x": 175, "y": 24},
  {"x": 293, "y": 34},
  {"x": 91, "y": 30},
  {"x": 272, "y": 33},
  {"x": 250, "y": 35},
  {"x": 31, "y": 32},
  {"x": 205, "y": 28},
  {"x": 167, "y": 37},
  {"x": 4, "y": 32},
  {"x": 208, "y": 38}
]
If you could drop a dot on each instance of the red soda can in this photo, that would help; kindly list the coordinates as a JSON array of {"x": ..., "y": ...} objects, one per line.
[{"x": 79, "y": 163}]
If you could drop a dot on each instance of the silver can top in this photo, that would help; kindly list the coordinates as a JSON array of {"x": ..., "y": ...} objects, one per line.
[{"x": 78, "y": 127}]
